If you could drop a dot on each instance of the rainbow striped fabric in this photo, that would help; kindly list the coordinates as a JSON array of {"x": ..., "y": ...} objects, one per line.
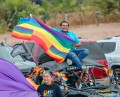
[
  {"x": 61, "y": 77},
  {"x": 110, "y": 73},
  {"x": 55, "y": 44}
]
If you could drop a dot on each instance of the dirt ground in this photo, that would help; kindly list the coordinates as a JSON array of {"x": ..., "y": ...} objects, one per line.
[
  {"x": 84, "y": 31},
  {"x": 98, "y": 32}
]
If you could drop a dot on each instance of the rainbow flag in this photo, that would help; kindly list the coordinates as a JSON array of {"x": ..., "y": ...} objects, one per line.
[
  {"x": 110, "y": 73},
  {"x": 61, "y": 77},
  {"x": 55, "y": 44},
  {"x": 64, "y": 79}
]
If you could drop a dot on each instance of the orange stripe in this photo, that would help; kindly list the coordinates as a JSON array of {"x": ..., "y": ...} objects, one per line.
[
  {"x": 32, "y": 83},
  {"x": 40, "y": 42},
  {"x": 42, "y": 37},
  {"x": 17, "y": 34},
  {"x": 21, "y": 37}
]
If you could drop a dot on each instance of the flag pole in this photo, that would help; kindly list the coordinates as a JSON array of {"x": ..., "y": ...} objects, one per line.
[
  {"x": 28, "y": 48},
  {"x": 30, "y": 15}
]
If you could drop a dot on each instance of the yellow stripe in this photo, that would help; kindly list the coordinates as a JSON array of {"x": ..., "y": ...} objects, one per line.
[
  {"x": 47, "y": 35},
  {"x": 41, "y": 36}
]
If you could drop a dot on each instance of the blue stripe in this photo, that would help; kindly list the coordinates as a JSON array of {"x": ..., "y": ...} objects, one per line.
[
  {"x": 23, "y": 30},
  {"x": 57, "y": 52}
]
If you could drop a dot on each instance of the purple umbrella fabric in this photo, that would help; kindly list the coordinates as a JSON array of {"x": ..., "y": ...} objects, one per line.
[{"x": 13, "y": 82}]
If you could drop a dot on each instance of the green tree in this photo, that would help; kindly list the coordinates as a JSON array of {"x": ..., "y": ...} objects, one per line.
[
  {"x": 63, "y": 7},
  {"x": 19, "y": 8},
  {"x": 106, "y": 7},
  {"x": 45, "y": 10},
  {"x": 3, "y": 23}
]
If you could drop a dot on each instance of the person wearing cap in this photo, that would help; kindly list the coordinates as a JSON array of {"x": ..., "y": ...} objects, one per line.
[
  {"x": 49, "y": 88},
  {"x": 75, "y": 54}
]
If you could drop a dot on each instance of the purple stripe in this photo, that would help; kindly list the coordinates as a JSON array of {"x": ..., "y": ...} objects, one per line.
[
  {"x": 56, "y": 51},
  {"x": 23, "y": 28},
  {"x": 54, "y": 32}
]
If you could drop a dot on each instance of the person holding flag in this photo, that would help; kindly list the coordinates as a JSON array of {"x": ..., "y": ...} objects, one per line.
[
  {"x": 59, "y": 44},
  {"x": 75, "y": 54}
]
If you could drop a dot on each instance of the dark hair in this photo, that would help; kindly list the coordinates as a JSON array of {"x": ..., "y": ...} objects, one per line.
[{"x": 64, "y": 22}]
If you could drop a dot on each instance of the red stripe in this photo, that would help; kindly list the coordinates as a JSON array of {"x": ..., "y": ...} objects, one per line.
[
  {"x": 40, "y": 42},
  {"x": 44, "y": 47},
  {"x": 21, "y": 37}
]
